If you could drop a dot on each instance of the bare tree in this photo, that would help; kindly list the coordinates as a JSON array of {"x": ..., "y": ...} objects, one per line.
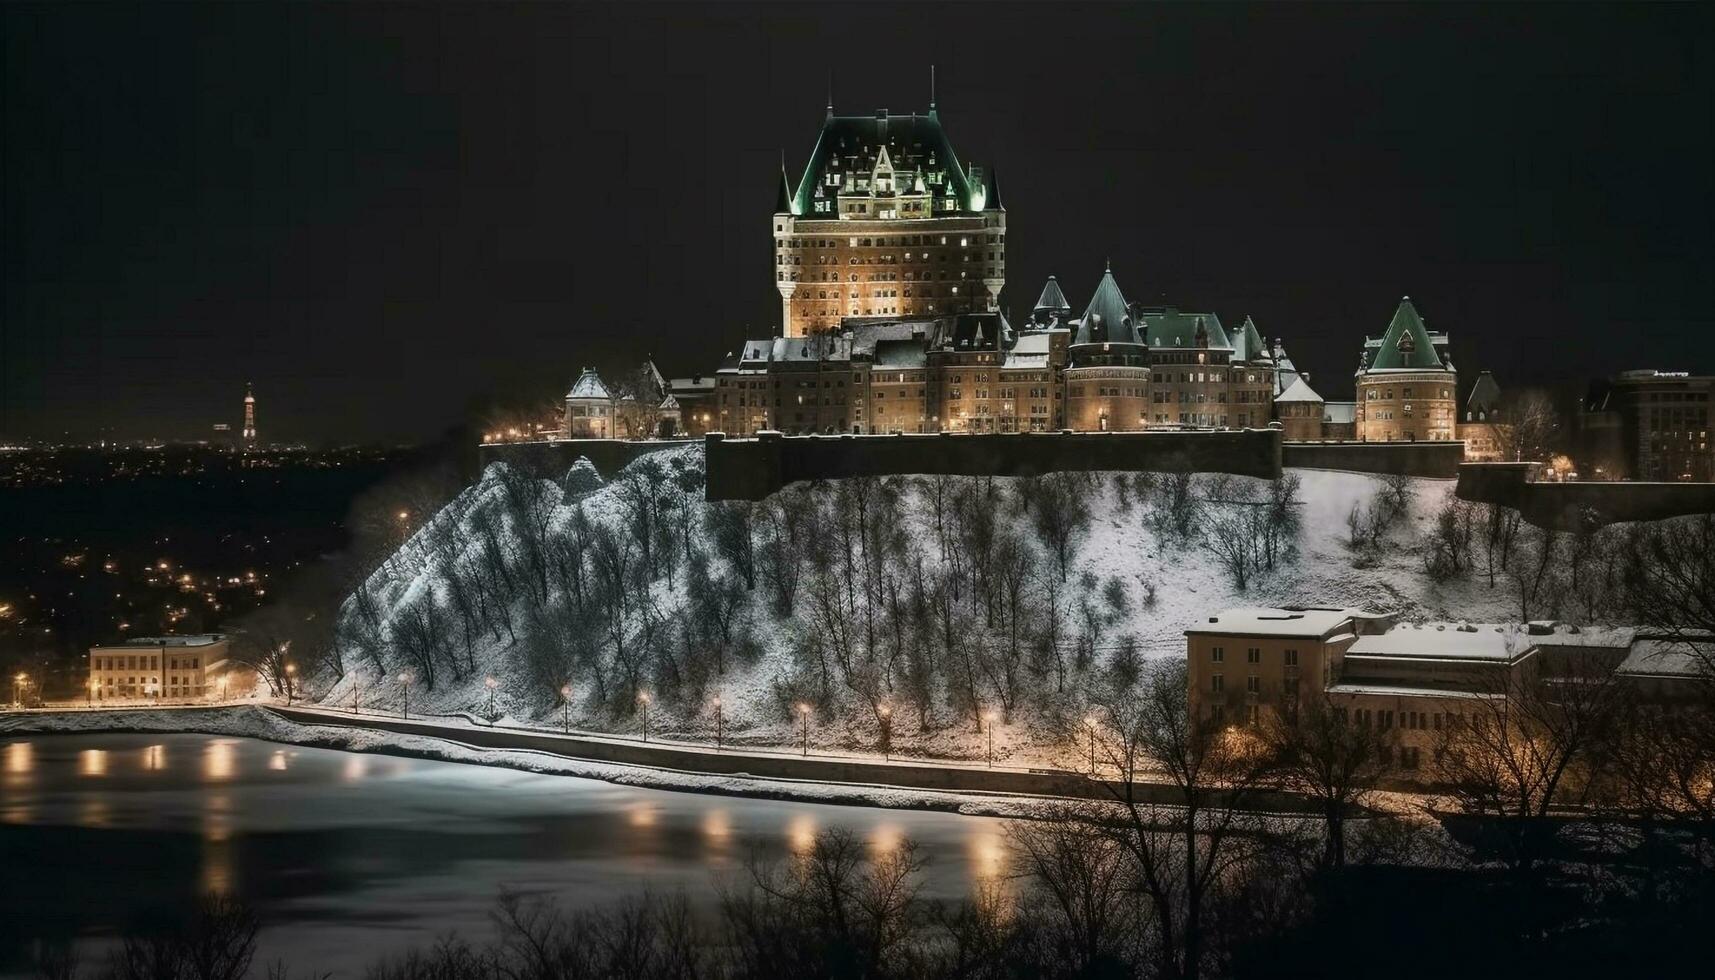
[
  {"x": 1184, "y": 840},
  {"x": 1318, "y": 752}
]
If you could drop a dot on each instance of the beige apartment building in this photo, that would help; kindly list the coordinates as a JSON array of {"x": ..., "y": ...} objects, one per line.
[
  {"x": 158, "y": 667},
  {"x": 1413, "y": 679},
  {"x": 1244, "y": 662}
]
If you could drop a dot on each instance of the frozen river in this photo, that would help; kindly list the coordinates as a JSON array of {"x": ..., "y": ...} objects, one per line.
[{"x": 348, "y": 856}]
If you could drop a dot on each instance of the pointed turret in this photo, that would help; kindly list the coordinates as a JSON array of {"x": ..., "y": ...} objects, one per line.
[
  {"x": 1052, "y": 299},
  {"x": 993, "y": 203},
  {"x": 1406, "y": 345},
  {"x": 1107, "y": 319},
  {"x": 783, "y": 201}
]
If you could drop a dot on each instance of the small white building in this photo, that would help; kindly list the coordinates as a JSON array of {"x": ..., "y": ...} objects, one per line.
[
  {"x": 160, "y": 667},
  {"x": 589, "y": 408}
]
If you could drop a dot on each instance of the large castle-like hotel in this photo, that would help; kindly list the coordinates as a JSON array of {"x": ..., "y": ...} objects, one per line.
[{"x": 889, "y": 258}]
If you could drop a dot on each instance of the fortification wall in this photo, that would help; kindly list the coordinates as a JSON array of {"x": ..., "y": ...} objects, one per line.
[
  {"x": 1437, "y": 460},
  {"x": 553, "y": 459},
  {"x": 751, "y": 469},
  {"x": 1566, "y": 505}
]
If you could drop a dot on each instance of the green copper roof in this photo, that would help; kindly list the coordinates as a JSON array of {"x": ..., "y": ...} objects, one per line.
[
  {"x": 850, "y": 144},
  {"x": 783, "y": 200},
  {"x": 992, "y": 202},
  {"x": 1169, "y": 328},
  {"x": 1406, "y": 346},
  {"x": 1052, "y": 298},
  {"x": 1107, "y": 320},
  {"x": 1248, "y": 343}
]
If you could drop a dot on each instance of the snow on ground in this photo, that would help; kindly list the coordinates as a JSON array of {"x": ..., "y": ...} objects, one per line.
[
  {"x": 1189, "y": 585},
  {"x": 255, "y": 722}
]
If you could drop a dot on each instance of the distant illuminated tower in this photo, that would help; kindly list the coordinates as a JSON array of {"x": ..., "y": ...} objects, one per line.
[{"x": 249, "y": 437}]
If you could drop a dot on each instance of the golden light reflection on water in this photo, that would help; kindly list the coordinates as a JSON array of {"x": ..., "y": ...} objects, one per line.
[
  {"x": 640, "y": 815},
  {"x": 155, "y": 758},
  {"x": 92, "y": 762},
  {"x": 356, "y": 767},
  {"x": 885, "y": 838},
  {"x": 20, "y": 759},
  {"x": 717, "y": 829},
  {"x": 987, "y": 852},
  {"x": 94, "y": 812},
  {"x": 277, "y": 761},
  {"x": 219, "y": 761},
  {"x": 801, "y": 833}
]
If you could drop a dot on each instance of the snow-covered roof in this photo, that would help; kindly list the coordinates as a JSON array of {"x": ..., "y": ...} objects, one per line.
[
  {"x": 1447, "y": 641},
  {"x": 1664, "y": 657},
  {"x": 1311, "y": 621},
  {"x": 185, "y": 640},
  {"x": 1400, "y": 691},
  {"x": 1031, "y": 352},
  {"x": 693, "y": 385},
  {"x": 589, "y": 385},
  {"x": 1298, "y": 391}
]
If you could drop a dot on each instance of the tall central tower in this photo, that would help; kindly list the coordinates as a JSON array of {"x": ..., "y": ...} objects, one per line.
[
  {"x": 886, "y": 221},
  {"x": 249, "y": 434}
]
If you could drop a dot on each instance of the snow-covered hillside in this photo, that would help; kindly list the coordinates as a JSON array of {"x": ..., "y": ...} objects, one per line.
[{"x": 619, "y": 585}]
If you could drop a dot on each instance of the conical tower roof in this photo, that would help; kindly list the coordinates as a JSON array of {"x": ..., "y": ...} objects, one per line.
[
  {"x": 993, "y": 202},
  {"x": 1107, "y": 320},
  {"x": 1406, "y": 346},
  {"x": 1052, "y": 298},
  {"x": 783, "y": 200}
]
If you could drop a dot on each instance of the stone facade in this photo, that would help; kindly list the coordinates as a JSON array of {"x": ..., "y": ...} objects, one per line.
[
  {"x": 886, "y": 221},
  {"x": 1407, "y": 389}
]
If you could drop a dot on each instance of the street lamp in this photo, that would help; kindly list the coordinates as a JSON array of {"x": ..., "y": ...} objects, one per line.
[
  {"x": 988, "y": 718},
  {"x": 643, "y": 699},
  {"x": 405, "y": 679},
  {"x": 491, "y": 684},
  {"x": 718, "y": 719},
  {"x": 1090, "y": 723},
  {"x": 804, "y": 712},
  {"x": 566, "y": 707},
  {"x": 886, "y": 712},
  {"x": 93, "y": 684},
  {"x": 291, "y": 672},
  {"x": 19, "y": 682}
]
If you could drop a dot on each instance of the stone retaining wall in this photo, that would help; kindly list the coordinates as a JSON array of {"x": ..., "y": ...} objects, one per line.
[{"x": 751, "y": 469}]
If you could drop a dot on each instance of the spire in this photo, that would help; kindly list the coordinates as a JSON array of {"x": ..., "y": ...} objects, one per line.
[
  {"x": 1407, "y": 343},
  {"x": 783, "y": 201},
  {"x": 1052, "y": 298},
  {"x": 931, "y": 90},
  {"x": 830, "y": 93},
  {"x": 993, "y": 203}
]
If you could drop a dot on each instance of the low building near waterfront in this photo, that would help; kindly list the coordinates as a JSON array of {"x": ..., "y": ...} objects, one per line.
[
  {"x": 1253, "y": 666},
  {"x": 173, "y": 668}
]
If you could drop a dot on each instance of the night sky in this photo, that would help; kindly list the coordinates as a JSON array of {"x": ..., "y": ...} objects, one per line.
[{"x": 391, "y": 217}]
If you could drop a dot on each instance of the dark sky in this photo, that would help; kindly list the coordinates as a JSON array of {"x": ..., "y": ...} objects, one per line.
[{"x": 389, "y": 217}]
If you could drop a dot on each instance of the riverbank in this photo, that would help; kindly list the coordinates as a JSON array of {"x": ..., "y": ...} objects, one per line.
[{"x": 968, "y": 790}]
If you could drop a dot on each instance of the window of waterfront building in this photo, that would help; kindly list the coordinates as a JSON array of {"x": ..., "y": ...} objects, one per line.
[
  {"x": 1253, "y": 684},
  {"x": 1292, "y": 658},
  {"x": 1217, "y": 683},
  {"x": 1253, "y": 655}
]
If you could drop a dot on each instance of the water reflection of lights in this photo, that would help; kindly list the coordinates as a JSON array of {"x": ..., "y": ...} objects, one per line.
[
  {"x": 717, "y": 827},
  {"x": 219, "y": 761},
  {"x": 641, "y": 815},
  {"x": 801, "y": 833},
  {"x": 155, "y": 758},
  {"x": 277, "y": 761},
  {"x": 94, "y": 812},
  {"x": 20, "y": 758},
  {"x": 988, "y": 855},
  {"x": 886, "y": 838},
  {"x": 92, "y": 762},
  {"x": 356, "y": 767}
]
